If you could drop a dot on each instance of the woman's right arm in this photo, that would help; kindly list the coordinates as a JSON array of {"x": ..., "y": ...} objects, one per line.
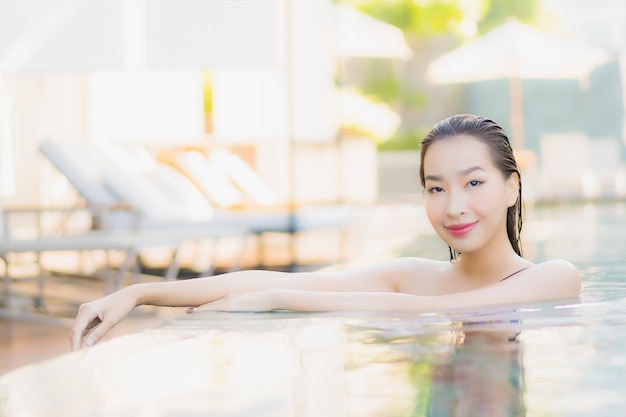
[{"x": 96, "y": 318}]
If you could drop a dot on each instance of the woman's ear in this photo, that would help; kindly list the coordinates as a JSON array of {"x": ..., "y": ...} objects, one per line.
[{"x": 512, "y": 189}]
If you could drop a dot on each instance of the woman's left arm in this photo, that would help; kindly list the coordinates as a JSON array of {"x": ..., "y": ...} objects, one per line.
[
  {"x": 551, "y": 280},
  {"x": 303, "y": 300},
  {"x": 546, "y": 281}
]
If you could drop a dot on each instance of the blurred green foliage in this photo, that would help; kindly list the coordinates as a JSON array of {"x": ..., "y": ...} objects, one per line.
[
  {"x": 526, "y": 11},
  {"x": 384, "y": 84},
  {"x": 422, "y": 19},
  {"x": 404, "y": 140},
  {"x": 428, "y": 18}
]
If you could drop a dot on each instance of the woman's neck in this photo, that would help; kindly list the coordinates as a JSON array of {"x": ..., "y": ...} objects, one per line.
[{"x": 490, "y": 263}]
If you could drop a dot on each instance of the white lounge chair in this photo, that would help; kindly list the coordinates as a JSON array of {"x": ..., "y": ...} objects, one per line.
[
  {"x": 13, "y": 244},
  {"x": 104, "y": 174}
]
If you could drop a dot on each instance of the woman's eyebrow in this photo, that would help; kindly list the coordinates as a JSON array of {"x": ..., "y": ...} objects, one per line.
[
  {"x": 433, "y": 178},
  {"x": 461, "y": 173},
  {"x": 469, "y": 170}
]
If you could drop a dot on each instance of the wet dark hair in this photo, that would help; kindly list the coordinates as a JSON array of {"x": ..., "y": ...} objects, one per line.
[{"x": 492, "y": 135}]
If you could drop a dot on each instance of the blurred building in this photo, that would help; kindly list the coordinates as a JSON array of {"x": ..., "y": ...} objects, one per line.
[
  {"x": 131, "y": 71},
  {"x": 601, "y": 23},
  {"x": 575, "y": 128}
]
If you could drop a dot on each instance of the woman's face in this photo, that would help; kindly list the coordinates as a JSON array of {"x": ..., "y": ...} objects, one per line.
[{"x": 466, "y": 195}]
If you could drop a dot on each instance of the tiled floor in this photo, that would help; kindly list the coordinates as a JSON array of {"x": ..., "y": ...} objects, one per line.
[
  {"x": 375, "y": 230},
  {"x": 24, "y": 341},
  {"x": 27, "y": 339}
]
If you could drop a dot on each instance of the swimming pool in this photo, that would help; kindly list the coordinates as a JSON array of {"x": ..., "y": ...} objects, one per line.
[
  {"x": 571, "y": 356},
  {"x": 550, "y": 359}
]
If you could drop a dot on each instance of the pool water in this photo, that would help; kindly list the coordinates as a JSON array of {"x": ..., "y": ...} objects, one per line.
[
  {"x": 565, "y": 358},
  {"x": 570, "y": 358}
]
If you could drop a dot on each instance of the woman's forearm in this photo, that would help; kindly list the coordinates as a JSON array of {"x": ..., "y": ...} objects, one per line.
[
  {"x": 355, "y": 301},
  {"x": 197, "y": 291},
  {"x": 533, "y": 288}
]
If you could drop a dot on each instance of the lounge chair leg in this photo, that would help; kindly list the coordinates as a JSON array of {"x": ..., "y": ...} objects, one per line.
[
  {"x": 129, "y": 262},
  {"x": 173, "y": 270},
  {"x": 38, "y": 302},
  {"x": 260, "y": 250},
  {"x": 6, "y": 296},
  {"x": 136, "y": 267}
]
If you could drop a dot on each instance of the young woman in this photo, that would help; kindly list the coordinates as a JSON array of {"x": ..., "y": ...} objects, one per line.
[{"x": 473, "y": 198}]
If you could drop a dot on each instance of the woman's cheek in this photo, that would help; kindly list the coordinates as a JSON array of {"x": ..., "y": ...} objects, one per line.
[
  {"x": 433, "y": 210},
  {"x": 484, "y": 196}
]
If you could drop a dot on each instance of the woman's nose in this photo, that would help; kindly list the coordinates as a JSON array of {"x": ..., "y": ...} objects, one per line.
[{"x": 457, "y": 203}]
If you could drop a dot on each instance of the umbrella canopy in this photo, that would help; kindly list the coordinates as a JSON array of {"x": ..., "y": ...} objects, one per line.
[
  {"x": 359, "y": 112},
  {"x": 515, "y": 50},
  {"x": 359, "y": 35}
]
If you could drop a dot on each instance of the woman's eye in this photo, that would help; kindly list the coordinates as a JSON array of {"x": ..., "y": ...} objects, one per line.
[
  {"x": 433, "y": 190},
  {"x": 474, "y": 183}
]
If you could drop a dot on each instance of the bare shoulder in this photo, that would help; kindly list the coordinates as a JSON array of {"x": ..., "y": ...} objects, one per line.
[
  {"x": 416, "y": 266},
  {"x": 557, "y": 272},
  {"x": 418, "y": 274},
  {"x": 559, "y": 267}
]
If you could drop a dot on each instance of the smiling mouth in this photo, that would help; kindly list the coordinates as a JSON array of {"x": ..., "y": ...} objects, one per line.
[{"x": 461, "y": 229}]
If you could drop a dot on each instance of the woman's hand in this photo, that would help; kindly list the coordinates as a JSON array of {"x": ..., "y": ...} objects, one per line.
[
  {"x": 257, "y": 301},
  {"x": 96, "y": 318}
]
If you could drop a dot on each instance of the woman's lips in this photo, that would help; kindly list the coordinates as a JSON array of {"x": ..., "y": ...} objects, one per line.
[{"x": 460, "y": 229}]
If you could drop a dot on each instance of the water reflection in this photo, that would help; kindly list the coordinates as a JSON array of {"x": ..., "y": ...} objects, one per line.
[
  {"x": 460, "y": 372},
  {"x": 482, "y": 377},
  {"x": 499, "y": 362}
]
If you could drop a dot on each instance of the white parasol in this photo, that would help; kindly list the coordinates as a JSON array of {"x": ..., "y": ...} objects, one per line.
[
  {"x": 515, "y": 51},
  {"x": 359, "y": 35}
]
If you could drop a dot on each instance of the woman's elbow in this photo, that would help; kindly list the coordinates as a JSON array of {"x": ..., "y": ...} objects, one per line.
[{"x": 568, "y": 278}]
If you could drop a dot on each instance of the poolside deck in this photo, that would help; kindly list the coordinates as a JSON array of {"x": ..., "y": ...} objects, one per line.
[{"x": 375, "y": 231}]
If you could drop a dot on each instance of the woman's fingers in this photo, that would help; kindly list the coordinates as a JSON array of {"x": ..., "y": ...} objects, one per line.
[
  {"x": 90, "y": 333},
  {"x": 92, "y": 322},
  {"x": 86, "y": 320},
  {"x": 92, "y": 337},
  {"x": 96, "y": 318}
]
